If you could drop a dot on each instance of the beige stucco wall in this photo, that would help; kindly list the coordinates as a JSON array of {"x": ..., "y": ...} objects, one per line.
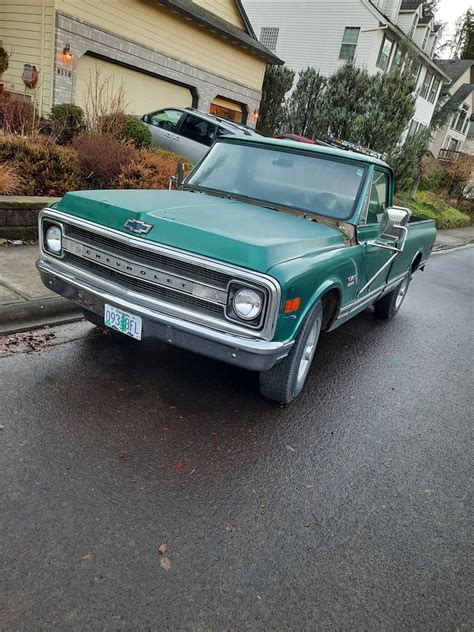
[
  {"x": 27, "y": 32},
  {"x": 148, "y": 24}
]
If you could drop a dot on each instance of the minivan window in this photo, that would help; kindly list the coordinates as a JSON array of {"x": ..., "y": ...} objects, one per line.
[
  {"x": 166, "y": 119},
  {"x": 198, "y": 129}
]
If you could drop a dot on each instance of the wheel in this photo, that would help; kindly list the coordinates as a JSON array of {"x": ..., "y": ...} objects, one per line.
[
  {"x": 285, "y": 381},
  {"x": 387, "y": 306}
]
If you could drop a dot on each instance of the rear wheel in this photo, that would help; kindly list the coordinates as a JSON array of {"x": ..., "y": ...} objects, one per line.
[
  {"x": 285, "y": 381},
  {"x": 387, "y": 306}
]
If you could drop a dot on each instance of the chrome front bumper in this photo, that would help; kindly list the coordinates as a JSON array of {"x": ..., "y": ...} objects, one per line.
[{"x": 249, "y": 353}]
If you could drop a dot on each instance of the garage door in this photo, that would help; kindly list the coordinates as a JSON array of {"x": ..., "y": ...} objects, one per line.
[{"x": 142, "y": 93}]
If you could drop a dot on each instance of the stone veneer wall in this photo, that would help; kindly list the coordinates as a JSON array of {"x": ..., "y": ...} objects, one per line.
[{"x": 84, "y": 37}]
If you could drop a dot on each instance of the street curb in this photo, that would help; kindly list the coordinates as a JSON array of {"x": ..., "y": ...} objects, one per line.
[
  {"x": 444, "y": 251},
  {"x": 24, "y": 315}
]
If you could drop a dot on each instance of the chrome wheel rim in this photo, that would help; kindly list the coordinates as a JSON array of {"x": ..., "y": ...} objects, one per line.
[
  {"x": 308, "y": 352},
  {"x": 401, "y": 293}
]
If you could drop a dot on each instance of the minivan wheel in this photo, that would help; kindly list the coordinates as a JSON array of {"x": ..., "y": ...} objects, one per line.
[
  {"x": 387, "y": 306},
  {"x": 285, "y": 381}
]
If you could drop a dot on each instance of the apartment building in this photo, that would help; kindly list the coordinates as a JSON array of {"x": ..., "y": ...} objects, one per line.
[
  {"x": 455, "y": 137},
  {"x": 324, "y": 34}
]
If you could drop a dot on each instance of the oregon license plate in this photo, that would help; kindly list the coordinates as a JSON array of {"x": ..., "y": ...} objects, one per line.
[{"x": 126, "y": 323}]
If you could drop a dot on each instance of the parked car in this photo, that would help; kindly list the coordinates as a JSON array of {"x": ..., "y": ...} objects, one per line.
[
  {"x": 266, "y": 244},
  {"x": 188, "y": 132}
]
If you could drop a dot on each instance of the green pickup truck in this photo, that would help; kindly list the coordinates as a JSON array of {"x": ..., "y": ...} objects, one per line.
[{"x": 265, "y": 244}]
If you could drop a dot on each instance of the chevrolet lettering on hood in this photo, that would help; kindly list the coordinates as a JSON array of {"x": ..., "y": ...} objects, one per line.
[{"x": 137, "y": 226}]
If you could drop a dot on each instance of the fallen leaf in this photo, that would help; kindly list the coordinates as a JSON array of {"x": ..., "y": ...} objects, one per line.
[
  {"x": 308, "y": 487},
  {"x": 162, "y": 548},
  {"x": 122, "y": 455},
  {"x": 254, "y": 491},
  {"x": 428, "y": 491},
  {"x": 180, "y": 466},
  {"x": 87, "y": 557},
  {"x": 231, "y": 527},
  {"x": 288, "y": 447},
  {"x": 259, "y": 598},
  {"x": 165, "y": 563}
]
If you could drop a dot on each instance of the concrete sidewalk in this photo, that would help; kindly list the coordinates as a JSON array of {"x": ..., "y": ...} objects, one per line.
[
  {"x": 26, "y": 304},
  {"x": 24, "y": 301}
]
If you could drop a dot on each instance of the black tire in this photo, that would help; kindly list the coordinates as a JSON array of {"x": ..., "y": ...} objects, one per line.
[
  {"x": 284, "y": 382},
  {"x": 387, "y": 306},
  {"x": 93, "y": 318}
]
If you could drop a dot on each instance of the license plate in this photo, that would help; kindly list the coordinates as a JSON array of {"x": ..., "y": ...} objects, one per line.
[{"x": 126, "y": 323}]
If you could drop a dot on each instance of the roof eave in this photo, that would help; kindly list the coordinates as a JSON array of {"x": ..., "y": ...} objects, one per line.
[
  {"x": 258, "y": 50},
  {"x": 397, "y": 31}
]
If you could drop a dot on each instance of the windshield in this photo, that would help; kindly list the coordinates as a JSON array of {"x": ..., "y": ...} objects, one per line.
[{"x": 312, "y": 183}]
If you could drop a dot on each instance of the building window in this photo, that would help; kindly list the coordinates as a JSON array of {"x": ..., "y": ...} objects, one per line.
[
  {"x": 415, "y": 71},
  {"x": 384, "y": 54},
  {"x": 413, "y": 26},
  {"x": 269, "y": 37},
  {"x": 458, "y": 122},
  {"x": 434, "y": 90},
  {"x": 425, "y": 39},
  {"x": 349, "y": 42},
  {"x": 425, "y": 88},
  {"x": 398, "y": 60}
]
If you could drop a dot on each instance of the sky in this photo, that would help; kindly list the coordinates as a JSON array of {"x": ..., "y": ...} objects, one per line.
[{"x": 449, "y": 11}]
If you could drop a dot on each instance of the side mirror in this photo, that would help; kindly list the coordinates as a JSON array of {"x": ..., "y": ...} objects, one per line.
[
  {"x": 146, "y": 118},
  {"x": 394, "y": 223},
  {"x": 178, "y": 179}
]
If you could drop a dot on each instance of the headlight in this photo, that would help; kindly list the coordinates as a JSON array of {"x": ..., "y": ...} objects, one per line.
[
  {"x": 53, "y": 239},
  {"x": 247, "y": 304}
]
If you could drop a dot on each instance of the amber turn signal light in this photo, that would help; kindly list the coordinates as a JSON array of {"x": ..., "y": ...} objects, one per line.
[{"x": 292, "y": 305}]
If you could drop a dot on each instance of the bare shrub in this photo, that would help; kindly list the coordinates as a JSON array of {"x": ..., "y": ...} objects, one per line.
[
  {"x": 101, "y": 158},
  {"x": 150, "y": 169},
  {"x": 105, "y": 104},
  {"x": 19, "y": 116},
  {"x": 9, "y": 180},
  {"x": 43, "y": 167}
]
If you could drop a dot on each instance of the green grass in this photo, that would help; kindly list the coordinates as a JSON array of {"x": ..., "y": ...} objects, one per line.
[{"x": 430, "y": 205}]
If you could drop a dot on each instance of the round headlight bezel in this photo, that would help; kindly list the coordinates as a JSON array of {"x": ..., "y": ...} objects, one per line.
[
  {"x": 53, "y": 245},
  {"x": 258, "y": 300}
]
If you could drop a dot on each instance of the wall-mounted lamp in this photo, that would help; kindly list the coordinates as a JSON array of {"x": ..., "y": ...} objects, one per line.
[
  {"x": 254, "y": 115},
  {"x": 67, "y": 55}
]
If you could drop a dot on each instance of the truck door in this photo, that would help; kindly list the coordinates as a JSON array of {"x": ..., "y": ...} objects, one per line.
[{"x": 374, "y": 258}]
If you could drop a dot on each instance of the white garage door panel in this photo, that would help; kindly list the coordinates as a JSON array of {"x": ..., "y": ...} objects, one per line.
[{"x": 142, "y": 93}]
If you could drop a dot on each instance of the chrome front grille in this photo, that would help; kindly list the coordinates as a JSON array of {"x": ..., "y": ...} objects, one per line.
[
  {"x": 152, "y": 258},
  {"x": 147, "y": 288}
]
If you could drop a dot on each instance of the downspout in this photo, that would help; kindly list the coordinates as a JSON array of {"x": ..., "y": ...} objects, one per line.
[{"x": 43, "y": 38}]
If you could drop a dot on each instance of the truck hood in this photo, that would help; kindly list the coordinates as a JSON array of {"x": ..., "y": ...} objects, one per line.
[{"x": 241, "y": 234}]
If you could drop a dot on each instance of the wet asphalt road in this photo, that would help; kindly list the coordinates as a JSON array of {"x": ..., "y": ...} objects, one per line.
[{"x": 350, "y": 510}]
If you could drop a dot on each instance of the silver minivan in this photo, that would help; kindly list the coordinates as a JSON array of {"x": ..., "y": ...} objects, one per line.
[{"x": 188, "y": 132}]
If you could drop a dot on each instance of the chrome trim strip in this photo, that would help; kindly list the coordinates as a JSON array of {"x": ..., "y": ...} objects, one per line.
[
  {"x": 239, "y": 274},
  {"x": 135, "y": 270},
  {"x": 245, "y": 343},
  {"x": 369, "y": 298}
]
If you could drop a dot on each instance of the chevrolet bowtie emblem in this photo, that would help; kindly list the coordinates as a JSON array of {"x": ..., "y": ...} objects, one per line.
[{"x": 136, "y": 226}]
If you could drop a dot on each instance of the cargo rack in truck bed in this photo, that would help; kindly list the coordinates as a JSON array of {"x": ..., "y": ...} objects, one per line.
[{"x": 348, "y": 146}]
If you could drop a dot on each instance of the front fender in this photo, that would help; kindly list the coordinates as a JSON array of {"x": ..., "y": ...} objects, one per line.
[{"x": 309, "y": 278}]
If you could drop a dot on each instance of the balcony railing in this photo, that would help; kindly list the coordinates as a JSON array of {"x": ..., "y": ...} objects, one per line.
[{"x": 448, "y": 154}]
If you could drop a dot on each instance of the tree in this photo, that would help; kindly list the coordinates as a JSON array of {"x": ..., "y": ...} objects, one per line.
[
  {"x": 392, "y": 106},
  {"x": 303, "y": 105},
  {"x": 467, "y": 45},
  {"x": 345, "y": 106},
  {"x": 405, "y": 159},
  {"x": 278, "y": 80}
]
